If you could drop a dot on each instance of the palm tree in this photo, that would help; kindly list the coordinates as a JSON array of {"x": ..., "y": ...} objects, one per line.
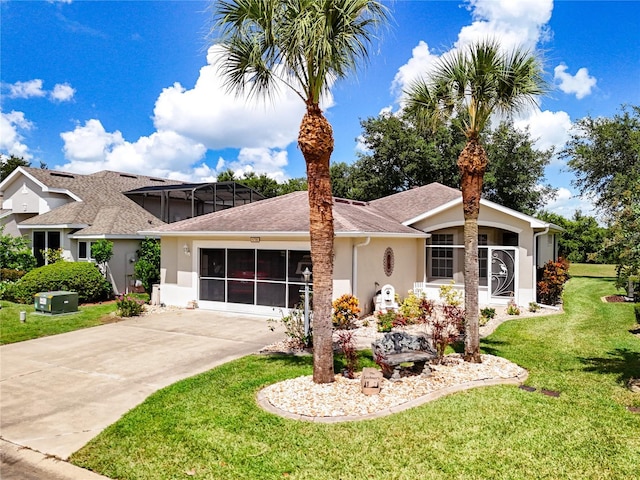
[
  {"x": 472, "y": 84},
  {"x": 304, "y": 45}
]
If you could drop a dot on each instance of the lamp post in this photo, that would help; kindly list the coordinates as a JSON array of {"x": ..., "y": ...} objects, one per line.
[{"x": 307, "y": 276}]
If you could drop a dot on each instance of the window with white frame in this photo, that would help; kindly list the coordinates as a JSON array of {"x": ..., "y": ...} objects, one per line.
[
  {"x": 483, "y": 255},
  {"x": 45, "y": 240},
  {"x": 84, "y": 250},
  {"x": 441, "y": 257}
]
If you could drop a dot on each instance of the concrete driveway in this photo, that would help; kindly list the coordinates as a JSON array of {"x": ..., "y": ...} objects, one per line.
[{"x": 57, "y": 393}]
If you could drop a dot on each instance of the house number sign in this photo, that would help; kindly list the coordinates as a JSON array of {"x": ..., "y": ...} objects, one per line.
[{"x": 388, "y": 261}]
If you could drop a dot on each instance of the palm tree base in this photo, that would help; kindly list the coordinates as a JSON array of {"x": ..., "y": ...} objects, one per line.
[{"x": 472, "y": 357}]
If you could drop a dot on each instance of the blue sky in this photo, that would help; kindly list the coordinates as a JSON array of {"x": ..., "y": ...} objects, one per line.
[{"x": 129, "y": 86}]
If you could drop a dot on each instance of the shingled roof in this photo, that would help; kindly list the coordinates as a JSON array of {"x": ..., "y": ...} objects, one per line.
[
  {"x": 101, "y": 207},
  {"x": 289, "y": 214},
  {"x": 416, "y": 201}
]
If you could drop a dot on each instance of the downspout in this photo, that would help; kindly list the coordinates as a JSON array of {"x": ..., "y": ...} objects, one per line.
[
  {"x": 354, "y": 265},
  {"x": 535, "y": 261}
]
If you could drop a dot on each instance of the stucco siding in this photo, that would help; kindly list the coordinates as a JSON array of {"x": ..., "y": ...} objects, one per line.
[
  {"x": 22, "y": 196},
  {"x": 407, "y": 267},
  {"x": 122, "y": 264}
]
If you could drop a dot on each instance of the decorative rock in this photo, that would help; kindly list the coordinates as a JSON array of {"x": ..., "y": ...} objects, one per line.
[
  {"x": 344, "y": 398},
  {"x": 634, "y": 385}
]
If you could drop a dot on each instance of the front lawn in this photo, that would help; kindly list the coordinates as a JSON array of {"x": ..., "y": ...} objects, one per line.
[
  {"x": 41, "y": 325},
  {"x": 592, "y": 270},
  {"x": 209, "y": 426}
]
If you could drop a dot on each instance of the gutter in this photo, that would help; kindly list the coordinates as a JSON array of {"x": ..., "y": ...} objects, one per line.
[
  {"x": 354, "y": 265},
  {"x": 535, "y": 260}
]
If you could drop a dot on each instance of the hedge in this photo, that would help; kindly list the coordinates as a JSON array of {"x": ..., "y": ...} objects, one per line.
[{"x": 81, "y": 277}]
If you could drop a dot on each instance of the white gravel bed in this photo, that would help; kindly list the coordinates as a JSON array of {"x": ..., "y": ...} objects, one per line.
[{"x": 301, "y": 396}]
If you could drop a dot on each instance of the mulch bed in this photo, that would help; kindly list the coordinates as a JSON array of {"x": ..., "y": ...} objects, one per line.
[{"x": 614, "y": 299}]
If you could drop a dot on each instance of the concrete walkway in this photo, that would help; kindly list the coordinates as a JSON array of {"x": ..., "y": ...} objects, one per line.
[{"x": 58, "y": 392}]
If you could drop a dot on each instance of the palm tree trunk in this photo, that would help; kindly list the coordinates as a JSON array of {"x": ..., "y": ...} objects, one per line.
[
  {"x": 316, "y": 143},
  {"x": 472, "y": 164}
]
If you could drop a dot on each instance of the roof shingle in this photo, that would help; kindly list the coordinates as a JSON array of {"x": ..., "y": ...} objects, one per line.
[
  {"x": 290, "y": 213},
  {"x": 103, "y": 209}
]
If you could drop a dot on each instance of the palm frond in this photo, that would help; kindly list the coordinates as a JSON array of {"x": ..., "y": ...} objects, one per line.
[
  {"x": 304, "y": 44},
  {"x": 482, "y": 79}
]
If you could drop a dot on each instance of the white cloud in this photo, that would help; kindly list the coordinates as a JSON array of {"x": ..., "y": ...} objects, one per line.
[
  {"x": 419, "y": 65},
  {"x": 28, "y": 89},
  {"x": 204, "y": 173},
  {"x": 62, "y": 92},
  {"x": 10, "y": 138},
  {"x": 90, "y": 148},
  {"x": 190, "y": 121},
  {"x": 581, "y": 83},
  {"x": 519, "y": 23},
  {"x": 259, "y": 160},
  {"x": 89, "y": 143},
  {"x": 210, "y": 114},
  {"x": 567, "y": 203},
  {"x": 514, "y": 23},
  {"x": 548, "y": 129}
]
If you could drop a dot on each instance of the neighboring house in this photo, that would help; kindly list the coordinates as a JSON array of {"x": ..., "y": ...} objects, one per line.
[
  {"x": 70, "y": 211},
  {"x": 251, "y": 258}
]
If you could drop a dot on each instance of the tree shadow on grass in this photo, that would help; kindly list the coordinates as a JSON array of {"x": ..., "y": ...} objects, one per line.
[
  {"x": 365, "y": 359},
  {"x": 289, "y": 359},
  {"x": 492, "y": 347},
  {"x": 622, "y": 362}
]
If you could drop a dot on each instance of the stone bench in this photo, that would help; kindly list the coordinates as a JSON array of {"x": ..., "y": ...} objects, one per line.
[{"x": 397, "y": 348}]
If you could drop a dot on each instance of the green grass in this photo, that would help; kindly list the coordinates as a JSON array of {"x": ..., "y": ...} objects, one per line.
[
  {"x": 41, "y": 325},
  {"x": 592, "y": 270},
  {"x": 210, "y": 424}
]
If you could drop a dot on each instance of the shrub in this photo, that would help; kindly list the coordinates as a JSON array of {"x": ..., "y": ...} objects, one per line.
[
  {"x": 554, "y": 276},
  {"x": 450, "y": 295},
  {"x": 147, "y": 268},
  {"x": 52, "y": 255},
  {"x": 512, "y": 308},
  {"x": 533, "y": 307},
  {"x": 446, "y": 328},
  {"x": 410, "y": 308},
  {"x": 11, "y": 274},
  {"x": 386, "y": 320},
  {"x": 347, "y": 344},
  {"x": 80, "y": 277},
  {"x": 486, "y": 314},
  {"x": 293, "y": 324},
  {"x": 345, "y": 312},
  {"x": 102, "y": 251},
  {"x": 129, "y": 306},
  {"x": 15, "y": 252}
]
